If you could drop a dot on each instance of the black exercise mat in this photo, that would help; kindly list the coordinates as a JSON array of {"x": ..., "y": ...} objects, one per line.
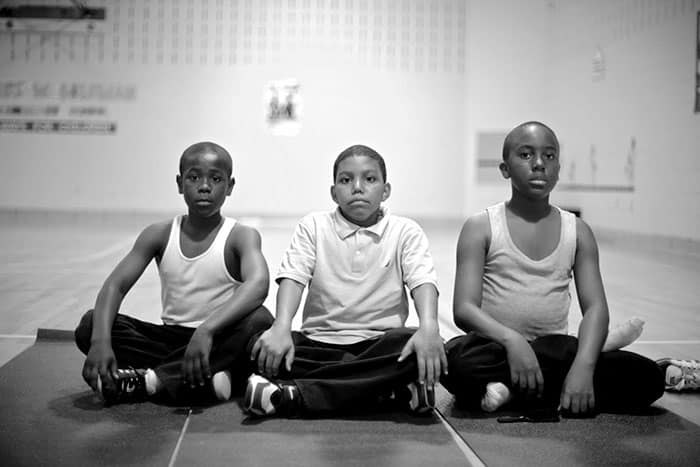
[
  {"x": 49, "y": 416},
  {"x": 655, "y": 438},
  {"x": 223, "y": 436}
]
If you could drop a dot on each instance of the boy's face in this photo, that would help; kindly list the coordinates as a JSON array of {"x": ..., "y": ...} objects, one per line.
[
  {"x": 533, "y": 162},
  {"x": 359, "y": 190},
  {"x": 205, "y": 182}
]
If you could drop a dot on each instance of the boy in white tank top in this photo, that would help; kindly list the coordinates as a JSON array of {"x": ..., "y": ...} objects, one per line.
[
  {"x": 214, "y": 280},
  {"x": 514, "y": 265}
]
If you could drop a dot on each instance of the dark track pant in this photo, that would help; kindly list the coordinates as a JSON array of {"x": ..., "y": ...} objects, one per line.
[
  {"x": 623, "y": 381},
  {"x": 336, "y": 378},
  {"x": 161, "y": 347}
]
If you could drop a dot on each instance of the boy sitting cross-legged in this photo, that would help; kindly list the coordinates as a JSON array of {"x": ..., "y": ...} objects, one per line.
[
  {"x": 352, "y": 349},
  {"x": 214, "y": 280}
]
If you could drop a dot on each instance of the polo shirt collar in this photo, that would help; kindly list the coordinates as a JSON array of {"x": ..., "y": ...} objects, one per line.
[{"x": 344, "y": 228}]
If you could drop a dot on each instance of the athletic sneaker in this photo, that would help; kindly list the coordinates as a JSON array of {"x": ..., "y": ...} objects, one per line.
[
  {"x": 680, "y": 375},
  {"x": 264, "y": 398},
  {"x": 495, "y": 397},
  {"x": 129, "y": 386},
  {"x": 422, "y": 398}
]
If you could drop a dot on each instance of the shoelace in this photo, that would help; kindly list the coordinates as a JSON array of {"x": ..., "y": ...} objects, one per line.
[{"x": 128, "y": 380}]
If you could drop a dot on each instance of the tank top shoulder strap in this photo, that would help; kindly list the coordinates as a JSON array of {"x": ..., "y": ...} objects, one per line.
[
  {"x": 568, "y": 235},
  {"x": 221, "y": 237},
  {"x": 173, "y": 245},
  {"x": 497, "y": 222}
]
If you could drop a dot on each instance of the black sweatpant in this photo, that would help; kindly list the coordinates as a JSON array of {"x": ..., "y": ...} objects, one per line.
[
  {"x": 161, "y": 347},
  {"x": 336, "y": 377},
  {"x": 623, "y": 381}
]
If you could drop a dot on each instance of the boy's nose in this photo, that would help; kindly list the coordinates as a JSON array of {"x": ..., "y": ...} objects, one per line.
[
  {"x": 357, "y": 186},
  {"x": 537, "y": 161}
]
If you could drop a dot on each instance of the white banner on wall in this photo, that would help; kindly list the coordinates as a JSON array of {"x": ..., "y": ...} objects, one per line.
[{"x": 283, "y": 107}]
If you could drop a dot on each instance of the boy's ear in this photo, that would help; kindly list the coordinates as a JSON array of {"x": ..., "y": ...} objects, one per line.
[
  {"x": 503, "y": 167},
  {"x": 335, "y": 199},
  {"x": 231, "y": 183},
  {"x": 178, "y": 180},
  {"x": 387, "y": 191}
]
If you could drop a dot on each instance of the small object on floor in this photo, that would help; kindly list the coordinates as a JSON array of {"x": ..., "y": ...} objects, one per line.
[
  {"x": 495, "y": 397},
  {"x": 129, "y": 386},
  {"x": 680, "y": 375},
  {"x": 422, "y": 398},
  {"x": 624, "y": 334},
  {"x": 534, "y": 416},
  {"x": 264, "y": 398}
]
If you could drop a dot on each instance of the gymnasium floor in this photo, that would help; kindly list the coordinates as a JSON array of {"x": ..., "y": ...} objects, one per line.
[{"x": 51, "y": 268}]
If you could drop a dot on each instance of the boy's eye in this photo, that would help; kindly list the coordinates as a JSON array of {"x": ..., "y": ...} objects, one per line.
[
  {"x": 193, "y": 177},
  {"x": 371, "y": 179},
  {"x": 550, "y": 156},
  {"x": 216, "y": 178},
  {"x": 525, "y": 155},
  {"x": 344, "y": 180}
]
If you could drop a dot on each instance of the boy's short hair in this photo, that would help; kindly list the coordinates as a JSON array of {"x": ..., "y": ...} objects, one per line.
[
  {"x": 360, "y": 150},
  {"x": 206, "y": 146},
  {"x": 508, "y": 141}
]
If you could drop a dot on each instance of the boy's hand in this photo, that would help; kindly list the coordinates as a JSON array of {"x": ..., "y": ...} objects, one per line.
[
  {"x": 100, "y": 362},
  {"x": 195, "y": 365},
  {"x": 525, "y": 372},
  {"x": 273, "y": 346},
  {"x": 430, "y": 355},
  {"x": 577, "y": 395}
]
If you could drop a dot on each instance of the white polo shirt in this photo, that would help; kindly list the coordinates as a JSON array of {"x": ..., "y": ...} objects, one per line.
[{"x": 357, "y": 276}]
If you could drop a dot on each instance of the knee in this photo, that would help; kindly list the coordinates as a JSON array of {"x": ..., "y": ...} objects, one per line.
[
  {"x": 257, "y": 321},
  {"x": 83, "y": 333},
  {"x": 647, "y": 372}
]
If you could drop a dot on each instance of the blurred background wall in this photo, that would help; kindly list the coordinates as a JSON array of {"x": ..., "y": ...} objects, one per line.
[{"x": 95, "y": 113}]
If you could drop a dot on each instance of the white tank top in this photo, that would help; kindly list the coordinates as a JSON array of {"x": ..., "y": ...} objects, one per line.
[
  {"x": 531, "y": 297},
  {"x": 194, "y": 288}
]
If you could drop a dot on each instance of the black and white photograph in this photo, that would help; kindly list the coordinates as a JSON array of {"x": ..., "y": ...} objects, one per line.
[{"x": 350, "y": 233}]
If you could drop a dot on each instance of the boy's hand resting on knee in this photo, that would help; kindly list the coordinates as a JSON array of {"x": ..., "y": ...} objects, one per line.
[
  {"x": 577, "y": 395},
  {"x": 195, "y": 365},
  {"x": 430, "y": 354},
  {"x": 100, "y": 362},
  {"x": 273, "y": 346},
  {"x": 525, "y": 372}
]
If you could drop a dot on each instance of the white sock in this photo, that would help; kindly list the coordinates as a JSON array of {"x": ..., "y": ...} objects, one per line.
[
  {"x": 152, "y": 382},
  {"x": 221, "y": 382},
  {"x": 496, "y": 395},
  {"x": 624, "y": 334}
]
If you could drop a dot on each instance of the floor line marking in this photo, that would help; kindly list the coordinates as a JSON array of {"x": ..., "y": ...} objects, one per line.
[
  {"x": 472, "y": 457},
  {"x": 17, "y": 336},
  {"x": 179, "y": 439},
  {"x": 684, "y": 342}
]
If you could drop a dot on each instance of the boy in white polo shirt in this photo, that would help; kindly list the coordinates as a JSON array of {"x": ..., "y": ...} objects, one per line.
[{"x": 352, "y": 349}]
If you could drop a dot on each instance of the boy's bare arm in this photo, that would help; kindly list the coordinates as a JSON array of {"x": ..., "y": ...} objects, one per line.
[
  {"x": 471, "y": 256},
  {"x": 275, "y": 345},
  {"x": 426, "y": 341},
  {"x": 251, "y": 294},
  {"x": 577, "y": 394},
  {"x": 100, "y": 359}
]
